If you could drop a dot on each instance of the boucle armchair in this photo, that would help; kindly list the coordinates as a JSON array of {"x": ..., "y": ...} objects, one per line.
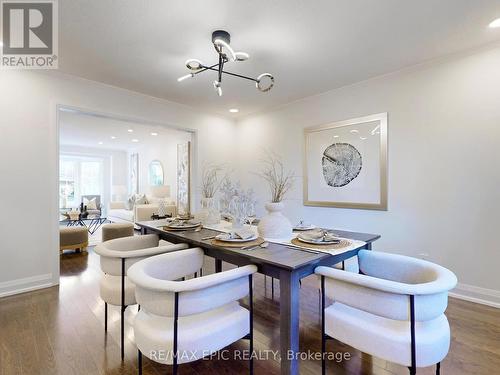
[
  {"x": 392, "y": 309},
  {"x": 116, "y": 256},
  {"x": 197, "y": 317}
]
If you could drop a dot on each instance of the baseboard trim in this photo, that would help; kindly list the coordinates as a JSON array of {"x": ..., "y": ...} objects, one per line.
[
  {"x": 27, "y": 284},
  {"x": 483, "y": 296}
]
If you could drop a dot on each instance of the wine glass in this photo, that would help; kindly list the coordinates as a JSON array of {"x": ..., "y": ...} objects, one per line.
[{"x": 250, "y": 212}]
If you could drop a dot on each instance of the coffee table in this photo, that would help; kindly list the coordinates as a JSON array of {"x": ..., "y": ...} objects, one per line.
[{"x": 92, "y": 222}]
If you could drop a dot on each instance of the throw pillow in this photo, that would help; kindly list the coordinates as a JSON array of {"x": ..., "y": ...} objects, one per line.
[
  {"x": 91, "y": 204},
  {"x": 141, "y": 199}
]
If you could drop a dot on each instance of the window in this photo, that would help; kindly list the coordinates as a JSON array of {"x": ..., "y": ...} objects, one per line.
[{"x": 79, "y": 175}]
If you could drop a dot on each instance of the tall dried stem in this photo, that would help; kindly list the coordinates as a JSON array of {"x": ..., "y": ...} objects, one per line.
[{"x": 279, "y": 180}]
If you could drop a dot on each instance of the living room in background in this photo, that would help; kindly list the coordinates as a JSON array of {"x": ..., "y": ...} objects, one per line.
[
  {"x": 79, "y": 176},
  {"x": 139, "y": 164}
]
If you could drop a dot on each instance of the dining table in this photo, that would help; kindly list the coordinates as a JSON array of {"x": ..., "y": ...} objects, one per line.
[{"x": 289, "y": 264}]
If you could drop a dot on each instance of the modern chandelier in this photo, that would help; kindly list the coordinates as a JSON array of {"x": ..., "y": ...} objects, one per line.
[{"x": 221, "y": 40}]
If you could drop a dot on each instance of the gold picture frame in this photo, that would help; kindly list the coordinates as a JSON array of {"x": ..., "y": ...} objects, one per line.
[{"x": 326, "y": 191}]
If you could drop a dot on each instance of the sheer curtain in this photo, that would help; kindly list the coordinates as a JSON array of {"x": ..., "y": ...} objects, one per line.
[{"x": 79, "y": 175}]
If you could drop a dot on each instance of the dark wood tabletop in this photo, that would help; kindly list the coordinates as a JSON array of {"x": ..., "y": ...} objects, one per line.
[{"x": 275, "y": 254}]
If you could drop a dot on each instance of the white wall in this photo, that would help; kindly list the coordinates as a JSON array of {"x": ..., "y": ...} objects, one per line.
[
  {"x": 444, "y": 158},
  {"x": 29, "y": 157},
  {"x": 115, "y": 166},
  {"x": 163, "y": 148}
]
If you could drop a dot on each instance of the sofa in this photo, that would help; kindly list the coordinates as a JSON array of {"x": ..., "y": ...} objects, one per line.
[{"x": 118, "y": 212}]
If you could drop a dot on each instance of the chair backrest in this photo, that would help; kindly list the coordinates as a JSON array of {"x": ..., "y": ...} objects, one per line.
[
  {"x": 111, "y": 261},
  {"x": 150, "y": 276},
  {"x": 428, "y": 282},
  {"x": 97, "y": 199}
]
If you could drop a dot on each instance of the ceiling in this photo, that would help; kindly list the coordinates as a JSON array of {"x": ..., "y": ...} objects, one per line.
[
  {"x": 309, "y": 46},
  {"x": 84, "y": 130}
]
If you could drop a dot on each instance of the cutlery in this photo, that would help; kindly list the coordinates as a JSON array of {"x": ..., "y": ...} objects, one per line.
[
  {"x": 302, "y": 249},
  {"x": 263, "y": 245},
  {"x": 208, "y": 238}
]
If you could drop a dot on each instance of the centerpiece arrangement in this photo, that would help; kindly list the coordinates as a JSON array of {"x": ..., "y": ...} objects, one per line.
[
  {"x": 237, "y": 204},
  {"x": 280, "y": 181},
  {"x": 212, "y": 176}
]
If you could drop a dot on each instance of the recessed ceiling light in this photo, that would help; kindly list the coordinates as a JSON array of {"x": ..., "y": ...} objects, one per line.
[
  {"x": 135, "y": 140},
  {"x": 362, "y": 138},
  {"x": 154, "y": 134},
  {"x": 336, "y": 136},
  {"x": 234, "y": 110},
  {"x": 113, "y": 137},
  {"x": 495, "y": 23},
  {"x": 100, "y": 143},
  {"x": 130, "y": 130},
  {"x": 354, "y": 131}
]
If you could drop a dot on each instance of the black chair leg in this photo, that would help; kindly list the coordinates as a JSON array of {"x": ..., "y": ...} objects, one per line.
[
  {"x": 250, "y": 300},
  {"x": 139, "y": 362},
  {"x": 122, "y": 323},
  {"x": 323, "y": 335},
  {"x": 438, "y": 368},
  {"x": 105, "y": 317}
]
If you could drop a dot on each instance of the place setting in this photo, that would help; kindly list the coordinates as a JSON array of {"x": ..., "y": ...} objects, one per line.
[
  {"x": 180, "y": 225},
  {"x": 320, "y": 239},
  {"x": 243, "y": 239}
]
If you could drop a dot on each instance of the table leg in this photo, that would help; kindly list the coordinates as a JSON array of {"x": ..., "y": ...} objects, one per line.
[
  {"x": 289, "y": 322},
  {"x": 218, "y": 265}
]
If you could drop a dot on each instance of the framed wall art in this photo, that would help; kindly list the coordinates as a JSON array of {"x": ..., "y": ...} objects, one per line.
[
  {"x": 134, "y": 174},
  {"x": 345, "y": 164},
  {"x": 183, "y": 178}
]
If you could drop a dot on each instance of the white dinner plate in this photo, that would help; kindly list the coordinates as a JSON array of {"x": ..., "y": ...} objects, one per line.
[
  {"x": 224, "y": 237},
  {"x": 183, "y": 225}
]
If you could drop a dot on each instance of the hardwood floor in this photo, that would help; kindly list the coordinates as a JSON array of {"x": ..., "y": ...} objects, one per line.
[{"x": 60, "y": 330}]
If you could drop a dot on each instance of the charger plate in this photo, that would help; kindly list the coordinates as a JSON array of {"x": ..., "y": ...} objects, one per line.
[
  {"x": 343, "y": 243},
  {"x": 255, "y": 242}
]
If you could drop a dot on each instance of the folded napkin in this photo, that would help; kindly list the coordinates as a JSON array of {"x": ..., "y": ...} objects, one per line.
[
  {"x": 238, "y": 234},
  {"x": 319, "y": 235}
]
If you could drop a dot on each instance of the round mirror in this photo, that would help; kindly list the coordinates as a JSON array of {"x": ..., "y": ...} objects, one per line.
[{"x": 155, "y": 173}]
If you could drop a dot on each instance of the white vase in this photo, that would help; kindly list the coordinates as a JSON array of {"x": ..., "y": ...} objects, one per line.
[{"x": 275, "y": 224}]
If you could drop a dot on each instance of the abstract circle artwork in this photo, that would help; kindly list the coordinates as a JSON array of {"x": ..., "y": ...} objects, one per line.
[{"x": 341, "y": 163}]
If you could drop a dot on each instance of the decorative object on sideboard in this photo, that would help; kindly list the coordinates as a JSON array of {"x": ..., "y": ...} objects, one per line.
[
  {"x": 345, "y": 164},
  {"x": 221, "y": 40},
  {"x": 280, "y": 181},
  {"x": 184, "y": 179},
  {"x": 156, "y": 175},
  {"x": 160, "y": 194}
]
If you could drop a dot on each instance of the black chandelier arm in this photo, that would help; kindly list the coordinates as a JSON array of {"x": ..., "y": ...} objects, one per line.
[
  {"x": 221, "y": 67},
  {"x": 204, "y": 68},
  {"x": 226, "y": 72}
]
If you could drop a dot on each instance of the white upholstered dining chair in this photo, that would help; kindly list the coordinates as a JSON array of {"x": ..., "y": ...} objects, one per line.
[
  {"x": 116, "y": 256},
  {"x": 183, "y": 321},
  {"x": 392, "y": 309}
]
